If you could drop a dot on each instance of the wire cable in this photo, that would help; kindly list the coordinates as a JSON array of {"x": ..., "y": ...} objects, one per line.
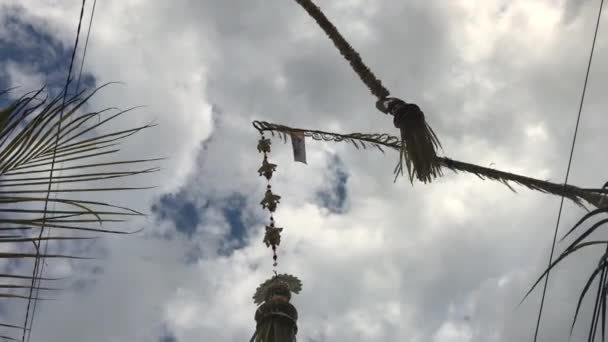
[
  {"x": 86, "y": 44},
  {"x": 46, "y": 242},
  {"x": 46, "y": 202},
  {"x": 561, "y": 204}
]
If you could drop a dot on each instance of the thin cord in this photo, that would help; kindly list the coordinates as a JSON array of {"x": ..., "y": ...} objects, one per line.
[
  {"x": 561, "y": 204},
  {"x": 346, "y": 50},
  {"x": 46, "y": 243},
  {"x": 86, "y": 44},
  {"x": 46, "y": 202}
]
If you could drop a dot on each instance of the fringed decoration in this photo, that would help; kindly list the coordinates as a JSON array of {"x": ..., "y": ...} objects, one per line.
[
  {"x": 272, "y": 238},
  {"x": 418, "y": 141},
  {"x": 580, "y": 196},
  {"x": 276, "y": 317}
]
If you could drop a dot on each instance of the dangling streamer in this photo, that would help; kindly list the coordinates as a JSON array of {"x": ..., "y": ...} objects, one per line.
[
  {"x": 275, "y": 317},
  {"x": 272, "y": 238}
]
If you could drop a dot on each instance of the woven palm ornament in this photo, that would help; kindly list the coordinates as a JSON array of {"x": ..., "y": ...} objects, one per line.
[
  {"x": 276, "y": 318},
  {"x": 419, "y": 144}
]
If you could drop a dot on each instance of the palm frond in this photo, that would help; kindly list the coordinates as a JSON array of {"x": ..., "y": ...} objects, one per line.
[
  {"x": 600, "y": 272},
  {"x": 595, "y": 197},
  {"x": 40, "y": 135},
  {"x": 419, "y": 143},
  {"x": 4, "y": 325},
  {"x": 346, "y": 50}
]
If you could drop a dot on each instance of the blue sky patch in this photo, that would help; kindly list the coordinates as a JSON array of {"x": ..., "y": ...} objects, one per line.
[
  {"x": 233, "y": 212},
  {"x": 38, "y": 52},
  {"x": 168, "y": 338},
  {"x": 167, "y": 335},
  {"x": 180, "y": 210},
  {"x": 187, "y": 216},
  {"x": 334, "y": 197}
]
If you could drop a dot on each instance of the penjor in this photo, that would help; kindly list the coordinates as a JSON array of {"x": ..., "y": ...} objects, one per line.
[{"x": 276, "y": 317}]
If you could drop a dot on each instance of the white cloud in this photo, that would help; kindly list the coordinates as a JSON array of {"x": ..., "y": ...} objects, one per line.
[
  {"x": 497, "y": 83},
  {"x": 450, "y": 332},
  {"x": 27, "y": 79}
]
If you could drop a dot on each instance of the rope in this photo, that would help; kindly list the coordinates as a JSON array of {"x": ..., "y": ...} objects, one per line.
[
  {"x": 346, "y": 50},
  {"x": 86, "y": 44},
  {"x": 419, "y": 142},
  {"x": 561, "y": 204},
  {"x": 46, "y": 202},
  {"x": 595, "y": 197}
]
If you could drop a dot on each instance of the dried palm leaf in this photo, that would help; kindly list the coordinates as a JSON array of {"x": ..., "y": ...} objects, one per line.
[
  {"x": 419, "y": 143},
  {"x": 595, "y": 197}
]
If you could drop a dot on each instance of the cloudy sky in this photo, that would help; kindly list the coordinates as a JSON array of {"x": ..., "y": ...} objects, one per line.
[{"x": 499, "y": 81}]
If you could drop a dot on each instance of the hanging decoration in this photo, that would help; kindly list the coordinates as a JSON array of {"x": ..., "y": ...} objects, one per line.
[
  {"x": 418, "y": 144},
  {"x": 580, "y": 196},
  {"x": 276, "y": 317}
]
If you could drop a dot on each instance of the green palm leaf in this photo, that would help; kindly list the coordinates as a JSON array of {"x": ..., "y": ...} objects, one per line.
[{"x": 40, "y": 136}]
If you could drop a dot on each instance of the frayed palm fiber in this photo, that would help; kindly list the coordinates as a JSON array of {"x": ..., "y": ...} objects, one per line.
[
  {"x": 418, "y": 151},
  {"x": 418, "y": 141},
  {"x": 596, "y": 197}
]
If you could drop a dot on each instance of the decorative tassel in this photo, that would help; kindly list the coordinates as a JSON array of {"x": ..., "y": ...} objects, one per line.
[
  {"x": 276, "y": 318},
  {"x": 418, "y": 141}
]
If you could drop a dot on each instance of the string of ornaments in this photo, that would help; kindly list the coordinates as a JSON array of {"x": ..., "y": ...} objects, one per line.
[
  {"x": 275, "y": 316},
  {"x": 418, "y": 145},
  {"x": 272, "y": 237}
]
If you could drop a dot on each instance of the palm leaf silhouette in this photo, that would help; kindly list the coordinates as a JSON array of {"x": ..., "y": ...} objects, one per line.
[
  {"x": 44, "y": 135},
  {"x": 600, "y": 272}
]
